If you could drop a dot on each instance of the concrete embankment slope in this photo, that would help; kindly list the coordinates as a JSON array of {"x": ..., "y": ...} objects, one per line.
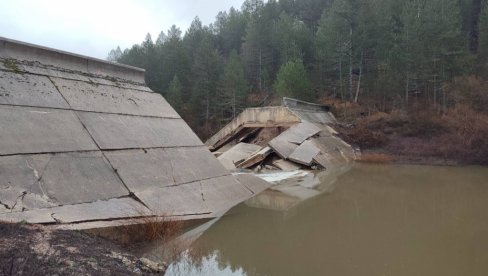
[{"x": 85, "y": 140}]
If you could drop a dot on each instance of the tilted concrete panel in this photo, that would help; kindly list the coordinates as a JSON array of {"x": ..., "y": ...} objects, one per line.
[
  {"x": 41, "y": 130},
  {"x": 109, "y": 99},
  {"x": 157, "y": 168},
  {"x": 30, "y": 90},
  {"x": 179, "y": 200},
  {"x": 113, "y": 131},
  {"x": 220, "y": 192},
  {"x": 84, "y": 140}
]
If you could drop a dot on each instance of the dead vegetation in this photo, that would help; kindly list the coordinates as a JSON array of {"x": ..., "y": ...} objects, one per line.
[{"x": 454, "y": 132}]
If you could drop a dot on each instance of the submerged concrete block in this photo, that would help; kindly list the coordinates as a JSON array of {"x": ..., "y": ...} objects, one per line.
[
  {"x": 111, "y": 99},
  {"x": 40, "y": 130},
  {"x": 113, "y": 131},
  {"x": 29, "y": 90}
]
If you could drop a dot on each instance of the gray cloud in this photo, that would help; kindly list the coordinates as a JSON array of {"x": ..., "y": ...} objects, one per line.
[{"x": 94, "y": 27}]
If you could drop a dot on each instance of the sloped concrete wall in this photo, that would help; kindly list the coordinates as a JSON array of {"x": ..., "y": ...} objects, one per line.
[{"x": 83, "y": 139}]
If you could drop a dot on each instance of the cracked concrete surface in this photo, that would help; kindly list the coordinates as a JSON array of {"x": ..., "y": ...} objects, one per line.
[{"x": 84, "y": 140}]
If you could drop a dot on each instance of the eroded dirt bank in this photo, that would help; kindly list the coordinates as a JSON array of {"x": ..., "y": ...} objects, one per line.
[{"x": 37, "y": 250}]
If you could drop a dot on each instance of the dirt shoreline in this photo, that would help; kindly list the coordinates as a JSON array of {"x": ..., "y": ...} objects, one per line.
[{"x": 38, "y": 250}]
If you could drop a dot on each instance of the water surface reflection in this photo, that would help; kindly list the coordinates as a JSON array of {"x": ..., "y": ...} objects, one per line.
[{"x": 378, "y": 220}]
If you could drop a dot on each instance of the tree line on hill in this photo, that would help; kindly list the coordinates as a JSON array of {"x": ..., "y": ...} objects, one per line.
[{"x": 386, "y": 54}]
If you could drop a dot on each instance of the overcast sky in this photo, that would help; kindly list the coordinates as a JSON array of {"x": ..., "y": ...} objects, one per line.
[{"x": 94, "y": 27}]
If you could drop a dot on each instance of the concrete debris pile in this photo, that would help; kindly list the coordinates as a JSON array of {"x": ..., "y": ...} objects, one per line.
[
  {"x": 85, "y": 140},
  {"x": 288, "y": 137}
]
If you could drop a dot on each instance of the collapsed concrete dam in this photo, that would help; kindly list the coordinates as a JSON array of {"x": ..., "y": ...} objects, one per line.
[{"x": 84, "y": 141}]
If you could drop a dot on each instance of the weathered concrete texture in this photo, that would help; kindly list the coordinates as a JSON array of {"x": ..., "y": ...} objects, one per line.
[
  {"x": 305, "y": 153},
  {"x": 83, "y": 140},
  {"x": 113, "y": 131},
  {"x": 219, "y": 193},
  {"x": 31, "y": 216},
  {"x": 253, "y": 117},
  {"x": 100, "y": 210},
  {"x": 45, "y": 180},
  {"x": 255, "y": 184},
  {"x": 37, "y": 130},
  {"x": 176, "y": 200},
  {"x": 239, "y": 152},
  {"x": 157, "y": 168},
  {"x": 80, "y": 177},
  {"x": 108, "y": 99},
  {"x": 285, "y": 165},
  {"x": 334, "y": 152},
  {"x": 31, "y": 90}
]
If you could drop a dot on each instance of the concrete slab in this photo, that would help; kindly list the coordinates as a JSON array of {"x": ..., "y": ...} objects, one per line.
[
  {"x": 282, "y": 147},
  {"x": 287, "y": 142},
  {"x": 224, "y": 192},
  {"x": 35, "y": 130},
  {"x": 100, "y": 210},
  {"x": 30, "y": 90},
  {"x": 113, "y": 131},
  {"x": 237, "y": 153},
  {"x": 74, "y": 178},
  {"x": 142, "y": 169},
  {"x": 31, "y": 216},
  {"x": 299, "y": 132},
  {"x": 253, "y": 183},
  {"x": 179, "y": 200},
  {"x": 191, "y": 164},
  {"x": 255, "y": 158},
  {"x": 305, "y": 153},
  {"x": 286, "y": 165},
  {"x": 111, "y": 99},
  {"x": 157, "y": 168}
]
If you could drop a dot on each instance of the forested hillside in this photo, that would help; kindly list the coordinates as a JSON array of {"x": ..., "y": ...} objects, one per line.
[{"x": 383, "y": 54}]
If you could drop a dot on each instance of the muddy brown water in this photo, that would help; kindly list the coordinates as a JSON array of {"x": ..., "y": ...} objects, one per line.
[{"x": 377, "y": 220}]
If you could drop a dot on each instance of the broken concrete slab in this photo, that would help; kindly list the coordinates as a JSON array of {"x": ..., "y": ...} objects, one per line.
[
  {"x": 253, "y": 183},
  {"x": 31, "y": 216},
  {"x": 299, "y": 132},
  {"x": 255, "y": 158},
  {"x": 220, "y": 192},
  {"x": 51, "y": 158},
  {"x": 41, "y": 130},
  {"x": 157, "y": 168},
  {"x": 185, "y": 199},
  {"x": 109, "y": 99},
  {"x": 282, "y": 147},
  {"x": 305, "y": 153},
  {"x": 74, "y": 178},
  {"x": 285, "y": 165},
  {"x": 114, "y": 131},
  {"x": 287, "y": 142},
  {"x": 334, "y": 152},
  {"x": 115, "y": 208},
  {"x": 236, "y": 154},
  {"x": 29, "y": 90}
]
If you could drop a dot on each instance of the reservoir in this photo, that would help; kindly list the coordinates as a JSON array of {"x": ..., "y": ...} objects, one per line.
[{"x": 372, "y": 220}]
